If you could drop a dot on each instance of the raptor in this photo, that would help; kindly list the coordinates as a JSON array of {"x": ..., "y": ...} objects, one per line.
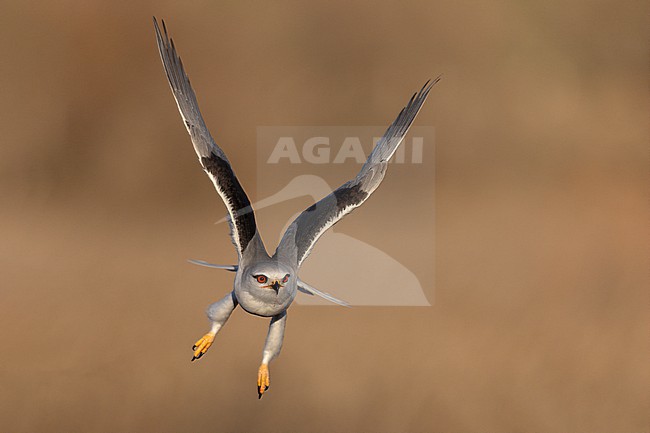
[{"x": 266, "y": 285}]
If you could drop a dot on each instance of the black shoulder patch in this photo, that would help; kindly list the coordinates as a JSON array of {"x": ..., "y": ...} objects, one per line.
[
  {"x": 312, "y": 219},
  {"x": 245, "y": 221}
]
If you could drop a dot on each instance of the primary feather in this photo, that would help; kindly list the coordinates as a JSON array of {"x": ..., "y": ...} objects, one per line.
[{"x": 212, "y": 158}]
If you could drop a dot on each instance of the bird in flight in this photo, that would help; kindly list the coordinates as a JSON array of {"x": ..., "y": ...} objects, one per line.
[{"x": 266, "y": 285}]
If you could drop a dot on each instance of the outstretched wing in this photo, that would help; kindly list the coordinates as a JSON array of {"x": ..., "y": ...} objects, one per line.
[
  {"x": 214, "y": 161},
  {"x": 231, "y": 268},
  {"x": 305, "y": 230},
  {"x": 310, "y": 290}
]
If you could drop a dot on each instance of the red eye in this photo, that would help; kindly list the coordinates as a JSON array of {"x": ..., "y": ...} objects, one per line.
[
  {"x": 260, "y": 278},
  {"x": 286, "y": 278}
]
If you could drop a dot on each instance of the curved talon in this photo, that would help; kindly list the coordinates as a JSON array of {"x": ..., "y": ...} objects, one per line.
[
  {"x": 263, "y": 381},
  {"x": 202, "y": 346}
]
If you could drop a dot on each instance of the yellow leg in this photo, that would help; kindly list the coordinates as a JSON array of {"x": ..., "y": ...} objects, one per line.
[
  {"x": 262, "y": 379},
  {"x": 202, "y": 345}
]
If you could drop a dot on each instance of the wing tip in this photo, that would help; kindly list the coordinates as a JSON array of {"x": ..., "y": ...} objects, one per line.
[{"x": 306, "y": 288}]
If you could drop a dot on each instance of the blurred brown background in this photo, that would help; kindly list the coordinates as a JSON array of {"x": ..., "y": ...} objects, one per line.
[{"x": 540, "y": 316}]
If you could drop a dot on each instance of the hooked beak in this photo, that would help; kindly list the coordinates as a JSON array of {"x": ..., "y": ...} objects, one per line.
[{"x": 275, "y": 286}]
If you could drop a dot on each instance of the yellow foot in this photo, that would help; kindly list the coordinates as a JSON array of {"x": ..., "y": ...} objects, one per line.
[
  {"x": 202, "y": 346},
  {"x": 262, "y": 380}
]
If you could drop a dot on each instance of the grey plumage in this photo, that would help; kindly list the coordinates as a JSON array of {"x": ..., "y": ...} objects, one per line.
[
  {"x": 302, "y": 286},
  {"x": 231, "y": 268},
  {"x": 266, "y": 285},
  {"x": 319, "y": 217},
  {"x": 213, "y": 159}
]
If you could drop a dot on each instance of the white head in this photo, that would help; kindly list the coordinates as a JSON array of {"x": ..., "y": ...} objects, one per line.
[{"x": 268, "y": 276}]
